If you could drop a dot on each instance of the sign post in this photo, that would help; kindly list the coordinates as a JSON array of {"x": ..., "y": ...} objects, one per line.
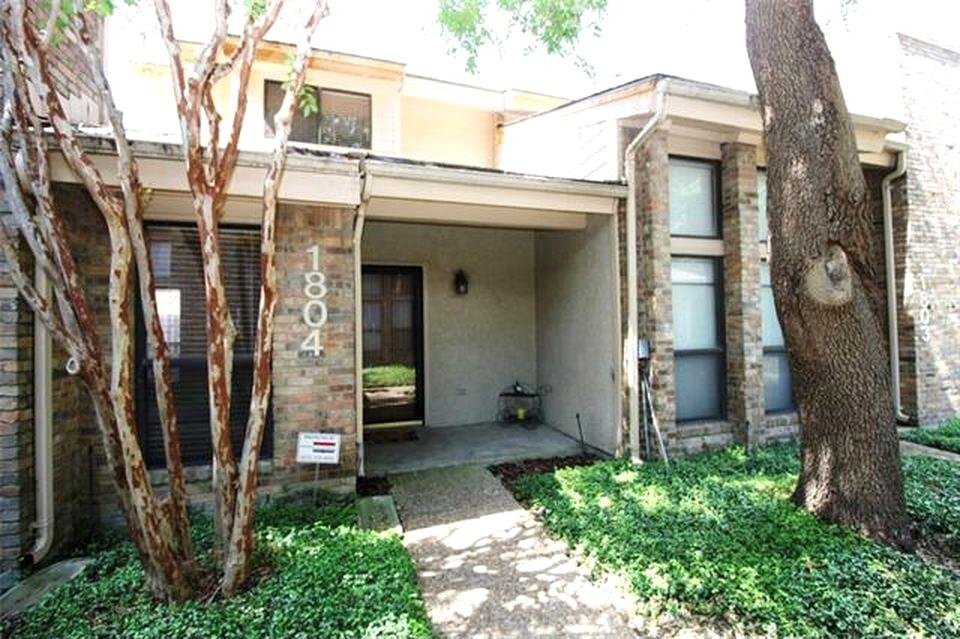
[{"x": 317, "y": 449}]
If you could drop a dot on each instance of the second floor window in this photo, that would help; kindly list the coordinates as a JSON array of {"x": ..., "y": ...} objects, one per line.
[
  {"x": 693, "y": 198},
  {"x": 343, "y": 118}
]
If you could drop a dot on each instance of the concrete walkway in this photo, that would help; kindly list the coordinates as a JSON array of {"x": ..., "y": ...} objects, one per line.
[
  {"x": 911, "y": 448},
  {"x": 486, "y": 567}
]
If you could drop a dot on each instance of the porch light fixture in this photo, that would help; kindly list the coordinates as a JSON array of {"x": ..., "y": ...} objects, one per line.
[{"x": 460, "y": 283}]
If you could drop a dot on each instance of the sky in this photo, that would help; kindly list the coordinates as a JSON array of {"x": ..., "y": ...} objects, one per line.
[{"x": 698, "y": 39}]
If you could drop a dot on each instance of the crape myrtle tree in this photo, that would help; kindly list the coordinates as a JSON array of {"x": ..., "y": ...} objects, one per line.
[
  {"x": 34, "y": 123},
  {"x": 826, "y": 290}
]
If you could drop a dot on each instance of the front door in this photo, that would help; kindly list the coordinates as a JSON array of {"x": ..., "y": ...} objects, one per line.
[{"x": 392, "y": 345}]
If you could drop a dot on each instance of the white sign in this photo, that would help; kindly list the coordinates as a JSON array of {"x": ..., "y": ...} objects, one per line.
[
  {"x": 318, "y": 448},
  {"x": 315, "y": 308}
]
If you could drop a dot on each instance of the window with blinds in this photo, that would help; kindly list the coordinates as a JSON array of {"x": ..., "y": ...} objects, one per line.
[
  {"x": 343, "y": 118},
  {"x": 777, "y": 386},
  {"x": 178, "y": 268},
  {"x": 698, "y": 338}
]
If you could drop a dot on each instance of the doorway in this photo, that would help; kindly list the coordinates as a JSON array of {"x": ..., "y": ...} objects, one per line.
[{"x": 392, "y": 346}]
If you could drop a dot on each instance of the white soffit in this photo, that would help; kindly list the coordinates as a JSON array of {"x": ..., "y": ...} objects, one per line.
[{"x": 165, "y": 178}]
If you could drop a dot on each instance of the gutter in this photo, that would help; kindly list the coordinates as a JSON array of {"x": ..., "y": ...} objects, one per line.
[
  {"x": 630, "y": 355},
  {"x": 42, "y": 430},
  {"x": 365, "y": 182},
  {"x": 893, "y": 333}
]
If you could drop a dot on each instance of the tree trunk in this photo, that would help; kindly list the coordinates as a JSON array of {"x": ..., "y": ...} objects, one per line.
[{"x": 826, "y": 290}]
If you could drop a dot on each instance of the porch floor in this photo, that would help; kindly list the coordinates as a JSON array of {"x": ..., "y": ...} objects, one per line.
[{"x": 487, "y": 443}]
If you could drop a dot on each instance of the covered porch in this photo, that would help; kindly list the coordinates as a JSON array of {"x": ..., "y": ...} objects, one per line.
[
  {"x": 480, "y": 444},
  {"x": 472, "y": 281}
]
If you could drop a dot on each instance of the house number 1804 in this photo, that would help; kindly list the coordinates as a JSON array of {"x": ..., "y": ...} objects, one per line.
[{"x": 315, "y": 308}]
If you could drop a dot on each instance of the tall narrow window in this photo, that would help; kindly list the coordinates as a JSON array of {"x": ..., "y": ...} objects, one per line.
[
  {"x": 182, "y": 309},
  {"x": 693, "y": 198},
  {"x": 777, "y": 390},
  {"x": 763, "y": 228},
  {"x": 698, "y": 338},
  {"x": 342, "y": 119}
]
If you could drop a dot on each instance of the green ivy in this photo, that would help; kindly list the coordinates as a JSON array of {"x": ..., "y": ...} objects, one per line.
[
  {"x": 327, "y": 579},
  {"x": 944, "y": 437},
  {"x": 717, "y": 536}
]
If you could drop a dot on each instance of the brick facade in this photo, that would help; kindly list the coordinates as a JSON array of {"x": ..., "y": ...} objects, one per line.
[
  {"x": 927, "y": 248},
  {"x": 741, "y": 262},
  {"x": 16, "y": 427},
  {"x": 655, "y": 322},
  {"x": 310, "y": 393}
]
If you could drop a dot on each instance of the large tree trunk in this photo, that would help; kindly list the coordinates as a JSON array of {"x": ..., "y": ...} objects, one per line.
[{"x": 826, "y": 290}]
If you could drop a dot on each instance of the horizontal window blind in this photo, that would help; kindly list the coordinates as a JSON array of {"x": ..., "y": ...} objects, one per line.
[{"x": 181, "y": 304}]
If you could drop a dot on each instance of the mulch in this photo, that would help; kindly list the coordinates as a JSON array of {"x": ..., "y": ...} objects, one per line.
[
  {"x": 508, "y": 473},
  {"x": 372, "y": 486}
]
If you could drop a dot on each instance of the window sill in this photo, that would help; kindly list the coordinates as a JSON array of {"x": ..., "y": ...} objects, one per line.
[
  {"x": 702, "y": 427},
  {"x": 200, "y": 473}
]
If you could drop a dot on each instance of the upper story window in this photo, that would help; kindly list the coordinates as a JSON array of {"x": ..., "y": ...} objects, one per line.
[
  {"x": 343, "y": 118},
  {"x": 698, "y": 337},
  {"x": 763, "y": 228},
  {"x": 693, "y": 198}
]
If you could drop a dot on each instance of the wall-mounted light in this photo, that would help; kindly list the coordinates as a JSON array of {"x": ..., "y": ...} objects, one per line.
[{"x": 460, "y": 283}]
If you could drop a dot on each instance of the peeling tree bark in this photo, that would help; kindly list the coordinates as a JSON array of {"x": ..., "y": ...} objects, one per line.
[
  {"x": 158, "y": 524},
  {"x": 826, "y": 290},
  {"x": 209, "y": 171},
  {"x": 237, "y": 562},
  {"x": 26, "y": 176}
]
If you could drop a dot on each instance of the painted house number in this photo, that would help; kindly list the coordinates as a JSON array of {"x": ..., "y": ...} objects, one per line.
[{"x": 315, "y": 308}]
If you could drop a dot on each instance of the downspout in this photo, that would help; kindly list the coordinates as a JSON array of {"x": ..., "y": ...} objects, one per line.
[
  {"x": 42, "y": 429},
  {"x": 891, "y": 274},
  {"x": 358, "y": 309},
  {"x": 630, "y": 351}
]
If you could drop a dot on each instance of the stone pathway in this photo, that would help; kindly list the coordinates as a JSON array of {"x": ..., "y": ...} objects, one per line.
[
  {"x": 911, "y": 448},
  {"x": 488, "y": 570}
]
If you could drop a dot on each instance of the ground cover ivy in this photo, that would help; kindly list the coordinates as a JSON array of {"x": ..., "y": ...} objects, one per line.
[
  {"x": 324, "y": 577},
  {"x": 717, "y": 536}
]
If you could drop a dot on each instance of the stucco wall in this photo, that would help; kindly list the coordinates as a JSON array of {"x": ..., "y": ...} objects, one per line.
[
  {"x": 477, "y": 343},
  {"x": 431, "y": 130},
  {"x": 578, "y": 330}
]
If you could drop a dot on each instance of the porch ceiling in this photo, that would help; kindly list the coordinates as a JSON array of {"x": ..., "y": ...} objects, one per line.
[{"x": 407, "y": 192}]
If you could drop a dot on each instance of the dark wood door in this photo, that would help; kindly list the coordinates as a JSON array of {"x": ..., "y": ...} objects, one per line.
[{"x": 392, "y": 344}]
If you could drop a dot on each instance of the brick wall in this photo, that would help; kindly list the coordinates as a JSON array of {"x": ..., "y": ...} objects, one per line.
[
  {"x": 928, "y": 244},
  {"x": 70, "y": 72},
  {"x": 655, "y": 323},
  {"x": 741, "y": 262},
  {"x": 314, "y": 393},
  {"x": 16, "y": 426},
  {"x": 310, "y": 393}
]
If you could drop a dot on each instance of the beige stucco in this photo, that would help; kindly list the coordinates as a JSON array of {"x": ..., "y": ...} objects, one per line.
[
  {"x": 433, "y": 130},
  {"x": 478, "y": 343},
  {"x": 578, "y": 330}
]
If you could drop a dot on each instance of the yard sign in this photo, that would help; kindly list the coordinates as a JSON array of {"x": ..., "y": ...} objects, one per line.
[{"x": 318, "y": 448}]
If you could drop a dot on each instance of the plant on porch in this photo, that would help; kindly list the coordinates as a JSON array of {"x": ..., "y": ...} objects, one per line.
[{"x": 32, "y": 101}]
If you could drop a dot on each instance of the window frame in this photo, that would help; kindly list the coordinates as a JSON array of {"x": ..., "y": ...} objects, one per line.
[
  {"x": 719, "y": 351},
  {"x": 717, "y": 199},
  {"x": 143, "y": 392},
  {"x": 320, "y": 89}
]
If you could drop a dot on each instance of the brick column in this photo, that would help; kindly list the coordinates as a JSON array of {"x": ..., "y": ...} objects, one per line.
[
  {"x": 653, "y": 265},
  {"x": 314, "y": 393},
  {"x": 741, "y": 275},
  {"x": 16, "y": 426}
]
